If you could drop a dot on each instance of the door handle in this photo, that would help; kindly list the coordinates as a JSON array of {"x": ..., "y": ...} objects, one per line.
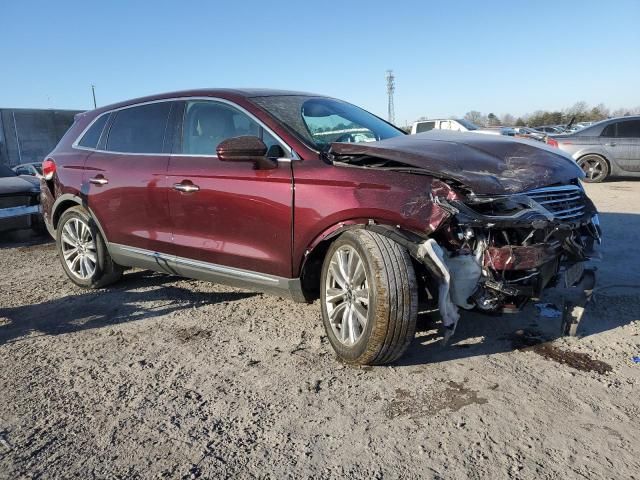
[
  {"x": 186, "y": 187},
  {"x": 98, "y": 181},
  {"x": 612, "y": 144}
]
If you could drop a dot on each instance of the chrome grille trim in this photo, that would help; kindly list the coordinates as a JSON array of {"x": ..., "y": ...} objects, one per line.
[{"x": 565, "y": 202}]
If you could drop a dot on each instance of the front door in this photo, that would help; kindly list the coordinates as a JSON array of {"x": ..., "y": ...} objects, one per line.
[
  {"x": 228, "y": 214},
  {"x": 125, "y": 179}
]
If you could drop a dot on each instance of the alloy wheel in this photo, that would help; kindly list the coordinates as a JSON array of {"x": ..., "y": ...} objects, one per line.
[
  {"x": 79, "y": 248},
  {"x": 593, "y": 167},
  {"x": 347, "y": 295}
]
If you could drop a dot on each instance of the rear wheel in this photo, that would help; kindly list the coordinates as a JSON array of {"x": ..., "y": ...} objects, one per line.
[
  {"x": 369, "y": 298},
  {"x": 595, "y": 168},
  {"x": 82, "y": 250}
]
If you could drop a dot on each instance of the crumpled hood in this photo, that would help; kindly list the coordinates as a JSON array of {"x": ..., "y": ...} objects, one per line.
[
  {"x": 486, "y": 164},
  {"x": 13, "y": 185}
]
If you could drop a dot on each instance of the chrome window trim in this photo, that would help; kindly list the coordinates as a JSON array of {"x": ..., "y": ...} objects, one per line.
[{"x": 75, "y": 145}]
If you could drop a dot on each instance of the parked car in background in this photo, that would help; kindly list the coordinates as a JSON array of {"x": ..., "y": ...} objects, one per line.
[
  {"x": 607, "y": 148},
  {"x": 32, "y": 169},
  {"x": 526, "y": 132},
  {"x": 19, "y": 201},
  {"x": 244, "y": 187},
  {"x": 549, "y": 129}
]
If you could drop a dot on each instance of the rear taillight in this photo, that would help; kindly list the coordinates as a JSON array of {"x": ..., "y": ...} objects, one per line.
[
  {"x": 48, "y": 169},
  {"x": 552, "y": 142}
]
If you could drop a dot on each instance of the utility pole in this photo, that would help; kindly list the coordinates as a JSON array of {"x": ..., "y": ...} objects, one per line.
[
  {"x": 391, "y": 87},
  {"x": 93, "y": 90}
]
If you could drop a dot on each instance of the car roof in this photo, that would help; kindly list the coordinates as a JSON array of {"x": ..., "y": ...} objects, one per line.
[{"x": 206, "y": 92}]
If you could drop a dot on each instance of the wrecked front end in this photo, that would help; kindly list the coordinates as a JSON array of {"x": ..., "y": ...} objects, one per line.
[
  {"x": 517, "y": 218},
  {"x": 502, "y": 250}
]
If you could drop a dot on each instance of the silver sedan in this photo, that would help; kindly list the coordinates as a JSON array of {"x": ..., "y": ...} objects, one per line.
[{"x": 607, "y": 148}]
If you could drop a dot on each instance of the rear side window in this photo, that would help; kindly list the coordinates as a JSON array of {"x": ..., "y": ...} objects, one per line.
[
  {"x": 92, "y": 136},
  {"x": 629, "y": 129},
  {"x": 425, "y": 127},
  {"x": 609, "y": 130},
  {"x": 139, "y": 129}
]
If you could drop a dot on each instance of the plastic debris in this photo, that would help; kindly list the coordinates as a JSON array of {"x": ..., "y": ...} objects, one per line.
[
  {"x": 548, "y": 310},
  {"x": 636, "y": 359}
]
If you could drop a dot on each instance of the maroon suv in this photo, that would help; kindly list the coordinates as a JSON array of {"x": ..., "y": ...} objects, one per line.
[{"x": 307, "y": 196}]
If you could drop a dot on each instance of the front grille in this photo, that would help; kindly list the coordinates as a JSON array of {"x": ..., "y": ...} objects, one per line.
[{"x": 565, "y": 202}]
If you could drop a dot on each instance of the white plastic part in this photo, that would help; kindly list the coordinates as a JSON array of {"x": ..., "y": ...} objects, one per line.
[
  {"x": 465, "y": 274},
  {"x": 448, "y": 311}
]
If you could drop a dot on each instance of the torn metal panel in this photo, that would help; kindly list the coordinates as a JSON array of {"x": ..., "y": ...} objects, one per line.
[{"x": 486, "y": 164}]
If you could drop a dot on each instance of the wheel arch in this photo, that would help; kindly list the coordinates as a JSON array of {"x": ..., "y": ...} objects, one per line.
[
  {"x": 311, "y": 263},
  {"x": 66, "y": 201}
]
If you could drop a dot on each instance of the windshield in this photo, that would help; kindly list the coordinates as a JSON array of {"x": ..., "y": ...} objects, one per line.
[
  {"x": 321, "y": 121},
  {"x": 6, "y": 172},
  {"x": 467, "y": 124}
]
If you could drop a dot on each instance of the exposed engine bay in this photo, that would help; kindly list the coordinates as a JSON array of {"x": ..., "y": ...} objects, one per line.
[{"x": 494, "y": 253}]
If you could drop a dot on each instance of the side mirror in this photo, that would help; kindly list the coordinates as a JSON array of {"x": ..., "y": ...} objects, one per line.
[{"x": 246, "y": 148}]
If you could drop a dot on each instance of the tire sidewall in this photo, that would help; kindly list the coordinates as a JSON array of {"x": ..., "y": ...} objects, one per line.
[
  {"x": 351, "y": 354},
  {"x": 82, "y": 214}
]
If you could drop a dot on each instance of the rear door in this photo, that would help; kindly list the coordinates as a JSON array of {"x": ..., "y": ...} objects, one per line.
[
  {"x": 125, "y": 178},
  {"x": 232, "y": 214},
  {"x": 622, "y": 141}
]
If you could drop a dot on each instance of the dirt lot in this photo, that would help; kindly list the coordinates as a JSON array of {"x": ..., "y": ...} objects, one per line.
[{"x": 160, "y": 377}]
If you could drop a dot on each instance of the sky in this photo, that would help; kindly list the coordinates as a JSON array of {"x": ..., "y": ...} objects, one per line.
[{"x": 448, "y": 57}]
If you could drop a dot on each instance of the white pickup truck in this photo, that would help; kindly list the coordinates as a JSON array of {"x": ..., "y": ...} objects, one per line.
[{"x": 454, "y": 124}]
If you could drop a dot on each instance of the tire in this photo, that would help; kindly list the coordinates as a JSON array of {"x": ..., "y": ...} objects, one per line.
[
  {"x": 81, "y": 246},
  {"x": 595, "y": 168},
  {"x": 391, "y": 292}
]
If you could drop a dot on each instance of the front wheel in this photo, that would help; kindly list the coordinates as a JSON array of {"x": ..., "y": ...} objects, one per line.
[
  {"x": 595, "y": 168},
  {"x": 83, "y": 252},
  {"x": 369, "y": 298}
]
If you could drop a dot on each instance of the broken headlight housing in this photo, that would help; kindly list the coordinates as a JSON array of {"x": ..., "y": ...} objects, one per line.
[{"x": 537, "y": 207}]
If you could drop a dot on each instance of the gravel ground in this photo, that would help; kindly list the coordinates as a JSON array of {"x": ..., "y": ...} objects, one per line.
[{"x": 161, "y": 377}]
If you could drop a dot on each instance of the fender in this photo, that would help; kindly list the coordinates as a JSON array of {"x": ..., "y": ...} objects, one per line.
[
  {"x": 69, "y": 197},
  {"x": 406, "y": 238},
  {"x": 591, "y": 150}
]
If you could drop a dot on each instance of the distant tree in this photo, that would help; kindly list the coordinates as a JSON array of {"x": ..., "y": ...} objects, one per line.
[
  {"x": 555, "y": 118},
  {"x": 475, "y": 117},
  {"x": 520, "y": 122},
  {"x": 600, "y": 112},
  {"x": 493, "y": 120},
  {"x": 508, "y": 120}
]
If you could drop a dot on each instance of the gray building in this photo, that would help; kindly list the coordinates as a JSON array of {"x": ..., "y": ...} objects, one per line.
[{"x": 27, "y": 135}]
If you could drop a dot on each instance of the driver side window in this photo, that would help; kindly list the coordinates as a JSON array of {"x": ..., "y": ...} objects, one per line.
[{"x": 207, "y": 123}]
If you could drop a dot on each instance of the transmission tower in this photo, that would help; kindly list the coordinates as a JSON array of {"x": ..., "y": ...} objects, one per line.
[{"x": 391, "y": 87}]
